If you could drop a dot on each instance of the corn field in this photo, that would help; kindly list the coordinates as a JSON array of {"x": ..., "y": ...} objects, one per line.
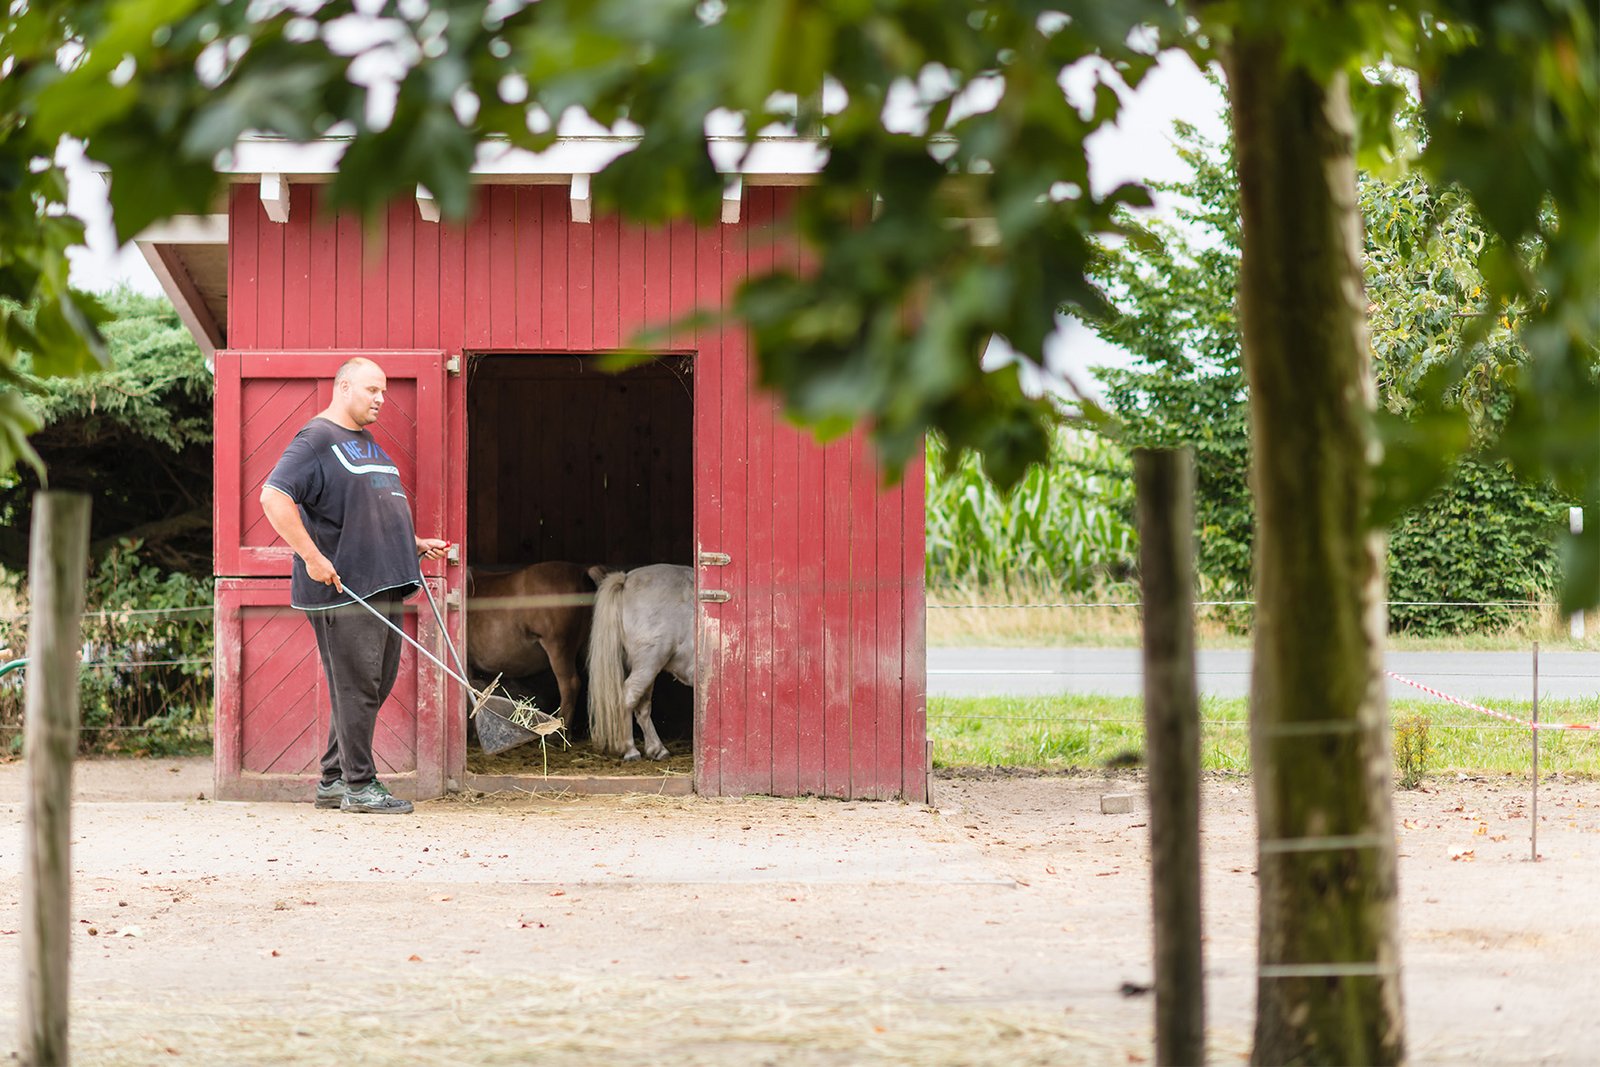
[{"x": 1067, "y": 528}]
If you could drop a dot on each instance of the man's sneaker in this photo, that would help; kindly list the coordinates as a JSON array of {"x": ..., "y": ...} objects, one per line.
[
  {"x": 329, "y": 795},
  {"x": 374, "y": 799}
]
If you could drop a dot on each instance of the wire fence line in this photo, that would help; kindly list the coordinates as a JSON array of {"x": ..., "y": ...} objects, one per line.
[
  {"x": 1138, "y": 723},
  {"x": 114, "y": 613},
  {"x": 1032, "y": 672},
  {"x": 204, "y": 615},
  {"x": 1238, "y": 603},
  {"x": 549, "y": 600}
]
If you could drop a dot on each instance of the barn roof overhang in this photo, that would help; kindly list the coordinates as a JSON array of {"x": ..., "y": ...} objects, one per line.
[{"x": 189, "y": 253}]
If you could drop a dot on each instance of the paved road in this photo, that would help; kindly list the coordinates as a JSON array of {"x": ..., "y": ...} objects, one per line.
[{"x": 1116, "y": 672}]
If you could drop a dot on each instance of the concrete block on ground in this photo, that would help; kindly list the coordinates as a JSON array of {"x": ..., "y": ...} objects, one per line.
[{"x": 1116, "y": 803}]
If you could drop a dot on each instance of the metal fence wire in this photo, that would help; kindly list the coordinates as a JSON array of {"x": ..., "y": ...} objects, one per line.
[{"x": 202, "y": 614}]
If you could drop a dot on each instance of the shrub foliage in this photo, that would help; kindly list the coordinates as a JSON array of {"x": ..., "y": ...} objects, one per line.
[
  {"x": 136, "y": 438},
  {"x": 146, "y": 681},
  {"x": 1484, "y": 536}
]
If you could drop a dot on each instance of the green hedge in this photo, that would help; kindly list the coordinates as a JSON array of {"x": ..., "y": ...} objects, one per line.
[
  {"x": 146, "y": 683},
  {"x": 1484, "y": 537}
]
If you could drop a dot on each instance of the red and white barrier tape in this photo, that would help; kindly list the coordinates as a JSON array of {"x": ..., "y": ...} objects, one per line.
[{"x": 1527, "y": 723}]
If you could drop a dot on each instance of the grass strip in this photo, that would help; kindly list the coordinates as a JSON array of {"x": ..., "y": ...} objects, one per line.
[{"x": 1076, "y": 732}]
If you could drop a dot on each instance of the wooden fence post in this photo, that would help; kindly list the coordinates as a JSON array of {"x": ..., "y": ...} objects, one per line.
[
  {"x": 1165, "y": 488},
  {"x": 57, "y": 559}
]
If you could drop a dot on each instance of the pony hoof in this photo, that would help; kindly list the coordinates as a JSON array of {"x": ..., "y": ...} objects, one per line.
[
  {"x": 631, "y": 757},
  {"x": 663, "y": 754}
]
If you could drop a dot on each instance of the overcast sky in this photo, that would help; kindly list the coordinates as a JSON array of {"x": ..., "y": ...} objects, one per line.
[{"x": 1139, "y": 147}]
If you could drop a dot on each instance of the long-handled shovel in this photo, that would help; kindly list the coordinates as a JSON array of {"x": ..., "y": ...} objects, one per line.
[
  {"x": 496, "y": 731},
  {"x": 500, "y": 719}
]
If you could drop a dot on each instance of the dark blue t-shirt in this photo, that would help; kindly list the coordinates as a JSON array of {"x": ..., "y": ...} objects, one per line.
[{"x": 355, "y": 510}]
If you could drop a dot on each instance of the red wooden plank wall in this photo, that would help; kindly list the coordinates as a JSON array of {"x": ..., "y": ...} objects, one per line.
[{"x": 812, "y": 674}]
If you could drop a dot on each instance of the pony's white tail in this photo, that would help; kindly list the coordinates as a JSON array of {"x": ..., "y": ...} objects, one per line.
[{"x": 610, "y": 728}]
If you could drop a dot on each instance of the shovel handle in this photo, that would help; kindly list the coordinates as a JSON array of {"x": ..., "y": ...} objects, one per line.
[{"x": 380, "y": 616}]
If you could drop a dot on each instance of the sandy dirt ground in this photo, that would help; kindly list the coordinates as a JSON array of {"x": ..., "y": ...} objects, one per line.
[{"x": 999, "y": 926}]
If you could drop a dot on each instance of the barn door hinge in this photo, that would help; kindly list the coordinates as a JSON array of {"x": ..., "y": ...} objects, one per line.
[
  {"x": 715, "y": 596},
  {"x": 452, "y": 365},
  {"x": 715, "y": 559}
]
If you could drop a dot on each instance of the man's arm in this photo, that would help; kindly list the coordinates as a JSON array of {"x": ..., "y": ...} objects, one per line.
[{"x": 284, "y": 515}]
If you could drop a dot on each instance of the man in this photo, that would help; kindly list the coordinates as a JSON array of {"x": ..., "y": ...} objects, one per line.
[{"x": 336, "y": 498}]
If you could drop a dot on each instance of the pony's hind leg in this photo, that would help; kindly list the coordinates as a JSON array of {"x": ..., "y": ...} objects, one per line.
[
  {"x": 636, "y": 698},
  {"x": 652, "y": 741}
]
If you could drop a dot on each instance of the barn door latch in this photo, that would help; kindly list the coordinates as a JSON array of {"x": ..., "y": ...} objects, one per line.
[
  {"x": 715, "y": 596},
  {"x": 452, "y": 365},
  {"x": 715, "y": 559}
]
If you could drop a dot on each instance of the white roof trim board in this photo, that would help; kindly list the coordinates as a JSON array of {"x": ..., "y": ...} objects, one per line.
[{"x": 767, "y": 158}]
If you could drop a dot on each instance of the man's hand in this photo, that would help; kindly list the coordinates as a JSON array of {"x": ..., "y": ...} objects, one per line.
[
  {"x": 320, "y": 568},
  {"x": 431, "y": 547}
]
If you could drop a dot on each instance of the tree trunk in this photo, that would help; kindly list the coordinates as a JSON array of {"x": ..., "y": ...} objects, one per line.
[{"x": 1328, "y": 987}]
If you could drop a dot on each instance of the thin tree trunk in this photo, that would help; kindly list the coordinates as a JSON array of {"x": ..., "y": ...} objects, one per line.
[
  {"x": 1172, "y": 749},
  {"x": 58, "y": 560},
  {"x": 1329, "y": 968}
]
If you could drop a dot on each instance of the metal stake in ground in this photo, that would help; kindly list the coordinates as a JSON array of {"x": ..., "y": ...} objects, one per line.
[
  {"x": 57, "y": 560},
  {"x": 1533, "y": 830},
  {"x": 1165, "y": 486}
]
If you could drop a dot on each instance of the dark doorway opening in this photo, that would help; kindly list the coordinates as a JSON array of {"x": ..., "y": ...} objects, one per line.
[{"x": 568, "y": 462}]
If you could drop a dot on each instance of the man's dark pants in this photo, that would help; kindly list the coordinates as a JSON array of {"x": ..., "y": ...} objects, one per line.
[{"x": 360, "y": 659}]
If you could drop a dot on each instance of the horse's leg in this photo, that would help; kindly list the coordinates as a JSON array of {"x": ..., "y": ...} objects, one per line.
[
  {"x": 652, "y": 741},
  {"x": 636, "y": 698},
  {"x": 564, "y": 662}
]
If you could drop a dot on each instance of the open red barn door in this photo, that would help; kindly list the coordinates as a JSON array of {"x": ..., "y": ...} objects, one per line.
[{"x": 272, "y": 704}]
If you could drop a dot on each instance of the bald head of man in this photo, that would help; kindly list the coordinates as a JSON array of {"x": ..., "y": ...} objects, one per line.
[{"x": 358, "y": 393}]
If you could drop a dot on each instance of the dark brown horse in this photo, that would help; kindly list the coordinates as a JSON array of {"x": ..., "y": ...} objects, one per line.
[{"x": 541, "y": 624}]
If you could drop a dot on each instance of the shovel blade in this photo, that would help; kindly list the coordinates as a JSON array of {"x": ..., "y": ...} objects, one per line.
[{"x": 496, "y": 732}]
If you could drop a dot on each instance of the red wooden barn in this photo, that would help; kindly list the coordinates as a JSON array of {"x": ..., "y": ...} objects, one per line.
[{"x": 809, "y": 644}]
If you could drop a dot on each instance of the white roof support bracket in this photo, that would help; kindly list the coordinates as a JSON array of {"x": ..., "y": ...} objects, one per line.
[
  {"x": 275, "y": 197},
  {"x": 427, "y": 206},
  {"x": 732, "y": 197},
  {"x": 582, "y": 202}
]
